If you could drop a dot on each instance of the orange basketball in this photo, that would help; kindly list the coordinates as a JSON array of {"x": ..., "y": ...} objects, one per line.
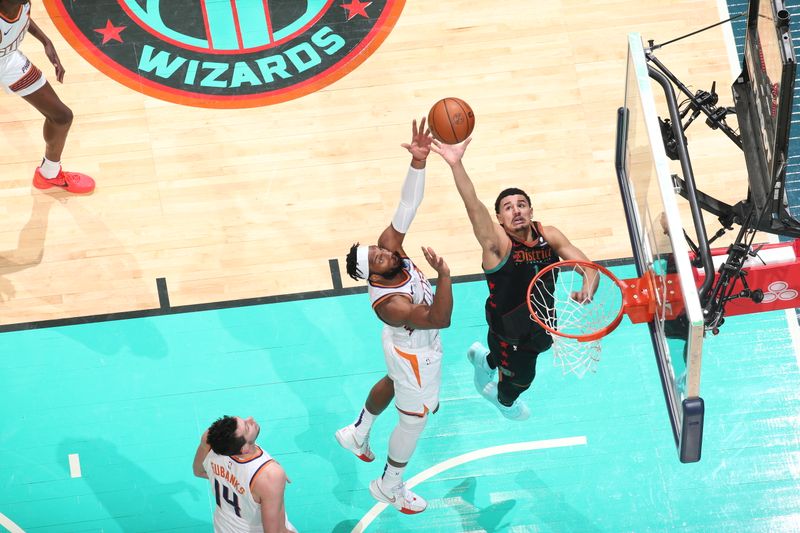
[{"x": 451, "y": 120}]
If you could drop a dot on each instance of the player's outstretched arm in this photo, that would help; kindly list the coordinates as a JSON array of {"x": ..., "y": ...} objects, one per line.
[
  {"x": 269, "y": 486},
  {"x": 490, "y": 235},
  {"x": 412, "y": 191},
  {"x": 200, "y": 455},
  {"x": 49, "y": 50},
  {"x": 400, "y": 311},
  {"x": 566, "y": 250}
]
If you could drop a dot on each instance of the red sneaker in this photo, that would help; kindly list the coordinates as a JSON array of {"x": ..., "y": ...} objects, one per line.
[{"x": 69, "y": 181}]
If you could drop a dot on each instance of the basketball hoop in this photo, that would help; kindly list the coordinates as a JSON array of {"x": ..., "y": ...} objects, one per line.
[{"x": 580, "y": 302}]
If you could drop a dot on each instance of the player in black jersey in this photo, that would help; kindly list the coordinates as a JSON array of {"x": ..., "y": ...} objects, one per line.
[{"x": 513, "y": 253}]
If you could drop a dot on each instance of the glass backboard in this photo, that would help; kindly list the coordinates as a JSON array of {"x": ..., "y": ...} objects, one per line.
[{"x": 660, "y": 251}]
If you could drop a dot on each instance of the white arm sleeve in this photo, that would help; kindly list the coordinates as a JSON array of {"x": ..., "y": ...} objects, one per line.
[{"x": 410, "y": 199}]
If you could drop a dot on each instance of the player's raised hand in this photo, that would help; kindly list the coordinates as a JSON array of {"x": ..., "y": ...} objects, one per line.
[
  {"x": 451, "y": 153},
  {"x": 435, "y": 261},
  {"x": 421, "y": 138},
  {"x": 582, "y": 296},
  {"x": 591, "y": 279},
  {"x": 50, "y": 52}
]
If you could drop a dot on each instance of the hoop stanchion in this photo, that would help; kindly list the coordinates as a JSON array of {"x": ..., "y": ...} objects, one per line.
[{"x": 774, "y": 270}]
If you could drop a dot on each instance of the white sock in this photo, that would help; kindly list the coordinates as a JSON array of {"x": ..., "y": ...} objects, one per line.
[
  {"x": 392, "y": 476},
  {"x": 363, "y": 424},
  {"x": 49, "y": 169}
]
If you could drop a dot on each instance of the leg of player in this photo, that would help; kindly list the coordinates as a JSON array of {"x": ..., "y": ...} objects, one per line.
[
  {"x": 518, "y": 371},
  {"x": 58, "y": 119},
  {"x": 518, "y": 409},
  {"x": 478, "y": 354},
  {"x": 355, "y": 437},
  {"x": 521, "y": 372},
  {"x": 390, "y": 487}
]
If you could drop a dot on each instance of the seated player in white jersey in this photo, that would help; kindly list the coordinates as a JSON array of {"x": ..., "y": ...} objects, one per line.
[
  {"x": 21, "y": 77},
  {"x": 403, "y": 299},
  {"x": 247, "y": 483}
]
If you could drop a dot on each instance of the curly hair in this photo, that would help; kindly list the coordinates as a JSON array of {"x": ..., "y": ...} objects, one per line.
[
  {"x": 222, "y": 436},
  {"x": 352, "y": 263},
  {"x": 508, "y": 192}
]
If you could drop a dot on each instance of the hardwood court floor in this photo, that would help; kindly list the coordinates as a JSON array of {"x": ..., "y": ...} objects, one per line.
[{"x": 230, "y": 204}]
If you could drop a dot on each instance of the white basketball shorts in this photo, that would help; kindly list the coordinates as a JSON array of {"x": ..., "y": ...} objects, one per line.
[
  {"x": 417, "y": 375},
  {"x": 19, "y": 76}
]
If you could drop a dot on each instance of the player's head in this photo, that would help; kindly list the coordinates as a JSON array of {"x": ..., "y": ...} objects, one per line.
[
  {"x": 229, "y": 435},
  {"x": 363, "y": 261},
  {"x": 513, "y": 208}
]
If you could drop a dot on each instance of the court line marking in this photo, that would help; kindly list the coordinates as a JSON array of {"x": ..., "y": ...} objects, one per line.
[
  {"x": 9, "y": 525},
  {"x": 453, "y": 462},
  {"x": 74, "y": 465}
]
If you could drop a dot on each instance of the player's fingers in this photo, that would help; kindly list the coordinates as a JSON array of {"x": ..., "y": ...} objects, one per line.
[
  {"x": 406, "y": 146},
  {"x": 422, "y": 124},
  {"x": 432, "y": 258},
  {"x": 414, "y": 128}
]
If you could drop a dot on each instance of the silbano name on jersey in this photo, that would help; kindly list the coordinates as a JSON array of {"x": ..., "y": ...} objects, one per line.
[{"x": 236, "y": 53}]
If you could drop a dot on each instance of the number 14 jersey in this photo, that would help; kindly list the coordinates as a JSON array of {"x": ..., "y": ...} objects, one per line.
[{"x": 231, "y": 479}]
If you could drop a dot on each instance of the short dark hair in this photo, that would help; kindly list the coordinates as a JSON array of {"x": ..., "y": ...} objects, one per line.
[
  {"x": 509, "y": 192},
  {"x": 352, "y": 263},
  {"x": 222, "y": 438}
]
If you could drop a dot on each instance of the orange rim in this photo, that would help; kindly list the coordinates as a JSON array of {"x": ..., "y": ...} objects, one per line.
[{"x": 586, "y": 337}]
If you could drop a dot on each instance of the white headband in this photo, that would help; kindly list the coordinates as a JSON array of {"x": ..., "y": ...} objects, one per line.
[{"x": 362, "y": 261}]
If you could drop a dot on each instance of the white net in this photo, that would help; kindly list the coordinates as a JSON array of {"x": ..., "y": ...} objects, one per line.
[
  {"x": 574, "y": 356},
  {"x": 577, "y": 303}
]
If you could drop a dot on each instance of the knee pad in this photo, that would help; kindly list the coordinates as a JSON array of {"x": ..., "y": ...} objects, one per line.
[
  {"x": 508, "y": 391},
  {"x": 404, "y": 438}
]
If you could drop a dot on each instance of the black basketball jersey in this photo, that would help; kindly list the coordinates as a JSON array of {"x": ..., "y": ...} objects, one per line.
[{"x": 506, "y": 307}]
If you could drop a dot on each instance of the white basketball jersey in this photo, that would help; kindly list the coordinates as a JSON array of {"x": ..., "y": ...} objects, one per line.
[
  {"x": 236, "y": 511},
  {"x": 416, "y": 287},
  {"x": 12, "y": 30}
]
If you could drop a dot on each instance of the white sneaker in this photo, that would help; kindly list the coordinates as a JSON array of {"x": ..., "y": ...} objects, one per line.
[
  {"x": 483, "y": 373},
  {"x": 401, "y": 498},
  {"x": 518, "y": 411},
  {"x": 347, "y": 439}
]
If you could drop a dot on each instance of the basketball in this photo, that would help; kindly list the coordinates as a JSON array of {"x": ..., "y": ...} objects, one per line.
[{"x": 451, "y": 120}]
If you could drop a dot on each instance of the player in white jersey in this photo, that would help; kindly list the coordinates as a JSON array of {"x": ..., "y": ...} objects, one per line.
[
  {"x": 247, "y": 483},
  {"x": 403, "y": 299},
  {"x": 21, "y": 77}
]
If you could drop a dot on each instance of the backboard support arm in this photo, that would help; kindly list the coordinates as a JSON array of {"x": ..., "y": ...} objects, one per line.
[{"x": 691, "y": 191}]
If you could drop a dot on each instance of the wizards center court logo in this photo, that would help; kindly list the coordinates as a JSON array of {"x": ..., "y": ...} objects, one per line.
[{"x": 225, "y": 53}]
